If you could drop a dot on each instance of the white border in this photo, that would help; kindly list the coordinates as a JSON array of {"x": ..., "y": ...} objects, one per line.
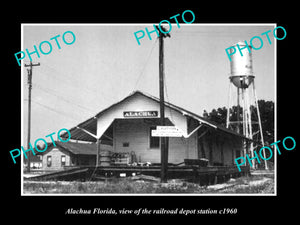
[
  {"x": 149, "y": 24},
  {"x": 22, "y": 111}
]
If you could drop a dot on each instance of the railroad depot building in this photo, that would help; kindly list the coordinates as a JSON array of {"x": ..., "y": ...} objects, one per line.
[{"x": 127, "y": 125}]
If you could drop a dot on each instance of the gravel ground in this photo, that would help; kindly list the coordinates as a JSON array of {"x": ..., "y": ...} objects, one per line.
[{"x": 259, "y": 184}]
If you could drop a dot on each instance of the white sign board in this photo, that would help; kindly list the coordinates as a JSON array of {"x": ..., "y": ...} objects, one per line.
[{"x": 166, "y": 131}]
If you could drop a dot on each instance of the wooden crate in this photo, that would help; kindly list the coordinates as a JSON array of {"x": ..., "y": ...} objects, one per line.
[{"x": 122, "y": 158}]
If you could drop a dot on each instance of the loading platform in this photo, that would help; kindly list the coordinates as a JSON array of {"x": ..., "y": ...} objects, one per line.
[{"x": 197, "y": 174}]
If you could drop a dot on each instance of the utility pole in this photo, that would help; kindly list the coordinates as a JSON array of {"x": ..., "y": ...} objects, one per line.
[
  {"x": 29, "y": 82},
  {"x": 164, "y": 141}
]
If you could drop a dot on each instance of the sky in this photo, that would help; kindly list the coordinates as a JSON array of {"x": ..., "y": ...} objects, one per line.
[{"x": 105, "y": 64}]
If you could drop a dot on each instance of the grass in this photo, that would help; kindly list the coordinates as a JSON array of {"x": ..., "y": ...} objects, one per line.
[
  {"x": 118, "y": 186},
  {"x": 253, "y": 184}
]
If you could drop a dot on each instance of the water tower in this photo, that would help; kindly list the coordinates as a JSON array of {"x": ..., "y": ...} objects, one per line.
[{"x": 242, "y": 97}]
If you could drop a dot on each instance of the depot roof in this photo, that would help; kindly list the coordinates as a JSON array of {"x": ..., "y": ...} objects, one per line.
[
  {"x": 90, "y": 125},
  {"x": 75, "y": 148}
]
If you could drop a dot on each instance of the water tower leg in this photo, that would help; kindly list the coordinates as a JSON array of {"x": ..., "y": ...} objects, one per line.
[
  {"x": 260, "y": 126},
  {"x": 238, "y": 111},
  {"x": 249, "y": 127},
  {"x": 244, "y": 122},
  {"x": 229, "y": 104}
]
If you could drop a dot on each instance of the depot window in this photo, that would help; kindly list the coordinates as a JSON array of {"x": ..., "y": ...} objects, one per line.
[
  {"x": 154, "y": 141},
  {"x": 49, "y": 160},
  {"x": 63, "y": 160}
]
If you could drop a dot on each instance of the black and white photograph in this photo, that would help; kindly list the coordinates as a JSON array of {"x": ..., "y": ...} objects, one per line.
[{"x": 143, "y": 111}]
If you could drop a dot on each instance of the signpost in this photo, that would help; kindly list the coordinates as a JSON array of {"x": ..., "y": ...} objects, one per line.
[{"x": 164, "y": 141}]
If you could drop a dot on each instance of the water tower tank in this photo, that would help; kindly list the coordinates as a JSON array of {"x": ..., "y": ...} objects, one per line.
[{"x": 241, "y": 66}]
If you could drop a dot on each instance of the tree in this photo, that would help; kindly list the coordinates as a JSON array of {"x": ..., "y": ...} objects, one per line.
[
  {"x": 266, "y": 109},
  {"x": 217, "y": 115}
]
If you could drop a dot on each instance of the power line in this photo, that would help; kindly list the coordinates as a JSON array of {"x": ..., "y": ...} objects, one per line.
[
  {"x": 54, "y": 110},
  {"x": 170, "y": 111},
  {"x": 49, "y": 91},
  {"x": 147, "y": 60},
  {"x": 53, "y": 74}
]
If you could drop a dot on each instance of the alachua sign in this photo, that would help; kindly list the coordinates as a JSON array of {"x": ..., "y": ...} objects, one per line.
[{"x": 140, "y": 113}]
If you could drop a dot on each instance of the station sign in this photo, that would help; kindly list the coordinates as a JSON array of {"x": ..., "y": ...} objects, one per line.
[
  {"x": 166, "y": 131},
  {"x": 136, "y": 114}
]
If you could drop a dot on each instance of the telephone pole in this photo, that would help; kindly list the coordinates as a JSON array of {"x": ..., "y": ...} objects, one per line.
[
  {"x": 29, "y": 82},
  {"x": 164, "y": 141}
]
